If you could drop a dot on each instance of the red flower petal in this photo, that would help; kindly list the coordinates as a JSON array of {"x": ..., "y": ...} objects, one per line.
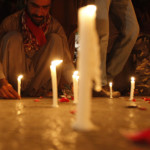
[
  {"x": 37, "y": 100},
  {"x": 141, "y": 136},
  {"x": 146, "y": 99},
  {"x": 73, "y": 111},
  {"x": 134, "y": 100},
  {"x": 72, "y": 98},
  {"x": 64, "y": 99}
]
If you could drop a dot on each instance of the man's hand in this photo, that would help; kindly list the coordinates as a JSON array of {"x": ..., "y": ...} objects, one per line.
[{"x": 7, "y": 91}]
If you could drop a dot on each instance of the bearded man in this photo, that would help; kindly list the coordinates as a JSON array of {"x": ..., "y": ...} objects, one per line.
[{"x": 29, "y": 40}]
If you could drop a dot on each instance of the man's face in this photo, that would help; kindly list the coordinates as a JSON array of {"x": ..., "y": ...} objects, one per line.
[{"x": 38, "y": 10}]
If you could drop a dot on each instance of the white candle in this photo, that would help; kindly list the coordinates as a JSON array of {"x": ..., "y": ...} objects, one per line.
[
  {"x": 54, "y": 81},
  {"x": 89, "y": 66},
  {"x": 132, "y": 88},
  {"x": 75, "y": 86},
  {"x": 19, "y": 84},
  {"x": 110, "y": 86}
]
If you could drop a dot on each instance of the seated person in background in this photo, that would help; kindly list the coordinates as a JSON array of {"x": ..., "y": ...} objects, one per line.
[{"x": 29, "y": 40}]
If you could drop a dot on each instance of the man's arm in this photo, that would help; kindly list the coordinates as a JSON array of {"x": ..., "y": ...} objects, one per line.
[
  {"x": 8, "y": 24},
  {"x": 1, "y": 71}
]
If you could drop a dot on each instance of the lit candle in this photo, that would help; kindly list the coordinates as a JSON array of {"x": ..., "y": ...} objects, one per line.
[
  {"x": 54, "y": 81},
  {"x": 110, "y": 86},
  {"x": 19, "y": 84},
  {"x": 75, "y": 86},
  {"x": 132, "y": 88},
  {"x": 89, "y": 66}
]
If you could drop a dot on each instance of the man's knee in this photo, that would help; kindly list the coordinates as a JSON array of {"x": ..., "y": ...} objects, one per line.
[
  {"x": 55, "y": 43},
  {"x": 11, "y": 42},
  {"x": 13, "y": 37},
  {"x": 133, "y": 32},
  {"x": 54, "y": 37}
]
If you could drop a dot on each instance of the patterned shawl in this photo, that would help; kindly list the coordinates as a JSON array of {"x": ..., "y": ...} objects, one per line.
[{"x": 33, "y": 36}]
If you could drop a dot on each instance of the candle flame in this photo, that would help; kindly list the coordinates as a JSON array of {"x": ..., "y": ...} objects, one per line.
[
  {"x": 75, "y": 75},
  {"x": 90, "y": 10},
  {"x": 132, "y": 79},
  {"x": 110, "y": 83},
  {"x": 56, "y": 62},
  {"x": 75, "y": 72},
  {"x": 20, "y": 77}
]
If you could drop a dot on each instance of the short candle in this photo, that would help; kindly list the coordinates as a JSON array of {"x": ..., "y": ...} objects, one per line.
[
  {"x": 75, "y": 86},
  {"x": 110, "y": 86},
  {"x": 54, "y": 81},
  {"x": 19, "y": 84},
  {"x": 132, "y": 88}
]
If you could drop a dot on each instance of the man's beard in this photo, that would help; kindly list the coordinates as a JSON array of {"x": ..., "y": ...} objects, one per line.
[{"x": 39, "y": 22}]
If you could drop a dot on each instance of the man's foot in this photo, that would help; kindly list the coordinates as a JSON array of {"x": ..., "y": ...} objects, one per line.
[{"x": 105, "y": 92}]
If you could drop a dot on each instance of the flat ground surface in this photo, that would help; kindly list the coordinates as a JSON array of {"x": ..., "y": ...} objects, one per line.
[{"x": 29, "y": 125}]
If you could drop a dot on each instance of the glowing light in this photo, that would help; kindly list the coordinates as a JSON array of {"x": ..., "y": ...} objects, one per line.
[
  {"x": 110, "y": 83},
  {"x": 132, "y": 79},
  {"x": 89, "y": 10},
  {"x": 20, "y": 77},
  {"x": 56, "y": 62},
  {"x": 75, "y": 74}
]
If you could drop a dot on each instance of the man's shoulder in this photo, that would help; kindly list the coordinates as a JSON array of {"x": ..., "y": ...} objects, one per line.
[
  {"x": 13, "y": 17},
  {"x": 10, "y": 23},
  {"x": 54, "y": 20},
  {"x": 55, "y": 25}
]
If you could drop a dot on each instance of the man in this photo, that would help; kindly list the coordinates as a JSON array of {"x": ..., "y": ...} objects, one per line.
[
  {"x": 123, "y": 16},
  {"x": 29, "y": 40}
]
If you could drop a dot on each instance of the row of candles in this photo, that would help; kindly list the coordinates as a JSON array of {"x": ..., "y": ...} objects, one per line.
[{"x": 75, "y": 77}]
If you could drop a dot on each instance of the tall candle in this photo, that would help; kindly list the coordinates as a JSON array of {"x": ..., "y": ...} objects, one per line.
[
  {"x": 110, "y": 86},
  {"x": 89, "y": 66},
  {"x": 19, "y": 84},
  {"x": 54, "y": 81},
  {"x": 75, "y": 86},
  {"x": 132, "y": 88}
]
